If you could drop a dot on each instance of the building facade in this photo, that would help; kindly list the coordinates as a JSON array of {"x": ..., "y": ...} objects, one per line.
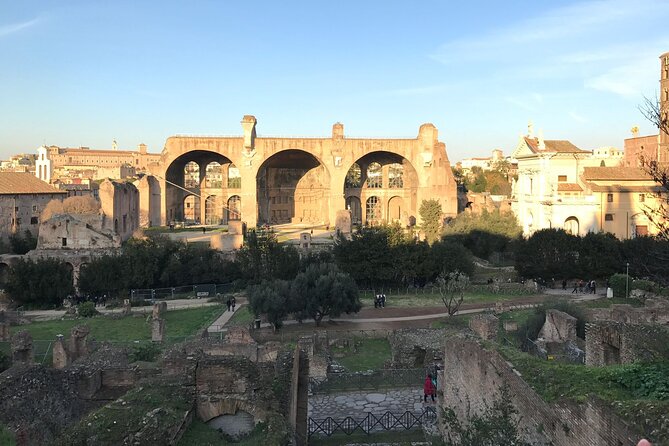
[
  {"x": 562, "y": 186},
  {"x": 301, "y": 180},
  {"x": 23, "y": 197}
]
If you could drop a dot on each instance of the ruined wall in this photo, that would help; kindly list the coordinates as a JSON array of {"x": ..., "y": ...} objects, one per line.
[
  {"x": 559, "y": 327},
  {"x": 82, "y": 231},
  {"x": 473, "y": 376},
  {"x": 654, "y": 311},
  {"x": 610, "y": 342},
  {"x": 120, "y": 203},
  {"x": 416, "y": 347},
  {"x": 484, "y": 325}
]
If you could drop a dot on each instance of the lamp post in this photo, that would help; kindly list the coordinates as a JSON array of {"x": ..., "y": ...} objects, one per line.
[{"x": 627, "y": 280}]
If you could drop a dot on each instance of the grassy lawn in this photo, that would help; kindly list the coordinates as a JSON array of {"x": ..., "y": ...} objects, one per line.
[
  {"x": 606, "y": 303},
  {"x": 178, "y": 323},
  {"x": 199, "y": 433},
  {"x": 368, "y": 354},
  {"x": 242, "y": 318},
  {"x": 457, "y": 322},
  {"x": 427, "y": 298}
]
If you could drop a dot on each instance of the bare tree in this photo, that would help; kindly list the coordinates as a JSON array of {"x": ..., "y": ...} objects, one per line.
[
  {"x": 656, "y": 113},
  {"x": 452, "y": 287}
]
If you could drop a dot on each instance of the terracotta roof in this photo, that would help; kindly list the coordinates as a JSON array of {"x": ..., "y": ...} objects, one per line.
[
  {"x": 553, "y": 145},
  {"x": 13, "y": 183},
  {"x": 615, "y": 173},
  {"x": 569, "y": 187}
]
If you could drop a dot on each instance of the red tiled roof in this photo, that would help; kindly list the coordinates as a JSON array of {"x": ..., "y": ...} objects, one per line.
[
  {"x": 569, "y": 187},
  {"x": 12, "y": 183},
  {"x": 553, "y": 145},
  {"x": 615, "y": 173}
]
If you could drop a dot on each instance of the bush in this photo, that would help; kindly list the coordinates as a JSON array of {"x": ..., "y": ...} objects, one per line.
[
  {"x": 87, "y": 309},
  {"x": 4, "y": 361},
  {"x": 618, "y": 283},
  {"x": 145, "y": 352}
]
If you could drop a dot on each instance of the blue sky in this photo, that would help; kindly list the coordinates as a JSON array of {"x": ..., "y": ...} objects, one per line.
[{"x": 88, "y": 72}]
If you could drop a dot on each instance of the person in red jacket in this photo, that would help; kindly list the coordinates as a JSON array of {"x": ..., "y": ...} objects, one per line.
[{"x": 428, "y": 388}]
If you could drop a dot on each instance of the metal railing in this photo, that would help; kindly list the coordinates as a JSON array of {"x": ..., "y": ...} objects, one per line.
[
  {"x": 371, "y": 380},
  {"x": 181, "y": 292},
  {"x": 372, "y": 423}
]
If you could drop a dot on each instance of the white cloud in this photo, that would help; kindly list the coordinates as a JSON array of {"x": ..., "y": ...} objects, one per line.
[
  {"x": 12, "y": 28},
  {"x": 578, "y": 118}
]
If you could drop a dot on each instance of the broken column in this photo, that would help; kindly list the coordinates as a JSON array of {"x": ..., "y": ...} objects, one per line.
[
  {"x": 157, "y": 322},
  {"x": 22, "y": 348},
  {"x": 60, "y": 357},
  {"x": 5, "y": 335},
  {"x": 127, "y": 307},
  {"x": 78, "y": 345}
]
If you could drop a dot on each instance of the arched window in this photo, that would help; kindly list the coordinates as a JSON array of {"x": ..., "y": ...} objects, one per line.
[
  {"x": 396, "y": 176},
  {"x": 374, "y": 176},
  {"x": 353, "y": 177},
  {"x": 234, "y": 208},
  {"x": 373, "y": 209},
  {"x": 191, "y": 175},
  {"x": 213, "y": 175},
  {"x": 234, "y": 177}
]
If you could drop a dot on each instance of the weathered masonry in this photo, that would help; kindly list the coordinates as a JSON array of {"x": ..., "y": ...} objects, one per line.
[{"x": 259, "y": 180}]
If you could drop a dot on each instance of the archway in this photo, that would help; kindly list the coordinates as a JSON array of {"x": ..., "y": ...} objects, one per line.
[
  {"x": 233, "y": 211},
  {"x": 390, "y": 180},
  {"x": 353, "y": 205},
  {"x": 213, "y": 211},
  {"x": 395, "y": 209},
  {"x": 191, "y": 209},
  {"x": 292, "y": 187},
  {"x": 4, "y": 274},
  {"x": 200, "y": 173},
  {"x": 571, "y": 225}
]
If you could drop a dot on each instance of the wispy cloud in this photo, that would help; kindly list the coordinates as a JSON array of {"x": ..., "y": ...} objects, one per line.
[
  {"x": 12, "y": 28},
  {"x": 578, "y": 118}
]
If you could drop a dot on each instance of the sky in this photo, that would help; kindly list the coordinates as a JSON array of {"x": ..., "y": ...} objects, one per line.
[{"x": 87, "y": 72}]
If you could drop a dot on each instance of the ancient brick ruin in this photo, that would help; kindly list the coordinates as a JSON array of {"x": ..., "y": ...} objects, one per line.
[
  {"x": 609, "y": 342},
  {"x": 484, "y": 325}
]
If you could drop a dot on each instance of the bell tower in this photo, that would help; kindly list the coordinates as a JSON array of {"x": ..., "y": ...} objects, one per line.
[{"x": 663, "y": 147}]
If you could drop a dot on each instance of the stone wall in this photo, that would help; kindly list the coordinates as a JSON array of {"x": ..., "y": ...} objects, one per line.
[
  {"x": 654, "y": 311},
  {"x": 622, "y": 343},
  {"x": 473, "y": 377},
  {"x": 484, "y": 325},
  {"x": 416, "y": 347},
  {"x": 81, "y": 231},
  {"x": 559, "y": 327}
]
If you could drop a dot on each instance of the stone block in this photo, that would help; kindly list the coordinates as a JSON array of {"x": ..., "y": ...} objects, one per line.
[
  {"x": 127, "y": 308},
  {"x": 559, "y": 327},
  {"x": 60, "y": 356},
  {"x": 22, "y": 347},
  {"x": 158, "y": 330},
  {"x": 5, "y": 335},
  {"x": 510, "y": 326},
  {"x": 484, "y": 325},
  {"x": 159, "y": 309}
]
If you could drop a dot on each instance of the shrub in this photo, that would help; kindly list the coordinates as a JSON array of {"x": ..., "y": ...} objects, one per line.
[
  {"x": 87, "y": 309},
  {"x": 145, "y": 352},
  {"x": 4, "y": 361},
  {"x": 618, "y": 282}
]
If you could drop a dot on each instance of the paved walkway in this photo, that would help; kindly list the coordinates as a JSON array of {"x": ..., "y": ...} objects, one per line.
[
  {"x": 358, "y": 404},
  {"x": 218, "y": 325}
]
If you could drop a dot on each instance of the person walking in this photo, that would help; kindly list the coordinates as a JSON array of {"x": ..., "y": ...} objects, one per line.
[
  {"x": 575, "y": 290},
  {"x": 428, "y": 388},
  {"x": 564, "y": 284},
  {"x": 593, "y": 287},
  {"x": 233, "y": 302},
  {"x": 228, "y": 303}
]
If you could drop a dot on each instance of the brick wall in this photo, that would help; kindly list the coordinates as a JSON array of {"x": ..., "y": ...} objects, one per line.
[{"x": 473, "y": 377}]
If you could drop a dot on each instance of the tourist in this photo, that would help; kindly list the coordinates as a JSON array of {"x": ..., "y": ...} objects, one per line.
[
  {"x": 233, "y": 302},
  {"x": 564, "y": 284},
  {"x": 428, "y": 388},
  {"x": 383, "y": 300},
  {"x": 575, "y": 290},
  {"x": 228, "y": 303},
  {"x": 593, "y": 287}
]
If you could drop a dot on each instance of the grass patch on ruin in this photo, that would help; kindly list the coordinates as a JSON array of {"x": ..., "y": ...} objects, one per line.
[
  {"x": 242, "y": 318},
  {"x": 199, "y": 433},
  {"x": 178, "y": 324},
  {"x": 363, "y": 354},
  {"x": 553, "y": 380},
  {"x": 458, "y": 322},
  {"x": 606, "y": 303}
]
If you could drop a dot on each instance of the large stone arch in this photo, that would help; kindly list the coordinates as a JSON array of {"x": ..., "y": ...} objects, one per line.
[
  {"x": 177, "y": 189},
  {"x": 293, "y": 186},
  {"x": 395, "y": 187}
]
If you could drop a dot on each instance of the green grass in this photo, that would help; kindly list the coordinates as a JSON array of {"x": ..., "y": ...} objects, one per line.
[
  {"x": 368, "y": 354},
  {"x": 242, "y": 318},
  {"x": 457, "y": 322},
  {"x": 178, "y": 323},
  {"x": 433, "y": 299},
  {"x": 199, "y": 433}
]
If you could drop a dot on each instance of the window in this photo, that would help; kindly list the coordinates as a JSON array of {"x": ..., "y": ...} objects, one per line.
[
  {"x": 608, "y": 217},
  {"x": 35, "y": 207},
  {"x": 609, "y": 198},
  {"x": 16, "y": 208},
  {"x": 64, "y": 241},
  {"x": 374, "y": 176},
  {"x": 642, "y": 198},
  {"x": 562, "y": 178},
  {"x": 373, "y": 209},
  {"x": 34, "y": 220}
]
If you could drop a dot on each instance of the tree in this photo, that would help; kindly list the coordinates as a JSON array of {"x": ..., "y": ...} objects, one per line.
[
  {"x": 485, "y": 233},
  {"x": 452, "y": 287},
  {"x": 271, "y": 299},
  {"x": 652, "y": 110},
  {"x": 599, "y": 255},
  {"x": 323, "y": 291},
  {"x": 476, "y": 180},
  {"x": 43, "y": 283},
  {"x": 22, "y": 244},
  {"x": 263, "y": 258},
  {"x": 548, "y": 254},
  {"x": 431, "y": 214}
]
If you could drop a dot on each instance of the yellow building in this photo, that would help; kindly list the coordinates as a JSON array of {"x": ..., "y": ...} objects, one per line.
[{"x": 562, "y": 186}]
